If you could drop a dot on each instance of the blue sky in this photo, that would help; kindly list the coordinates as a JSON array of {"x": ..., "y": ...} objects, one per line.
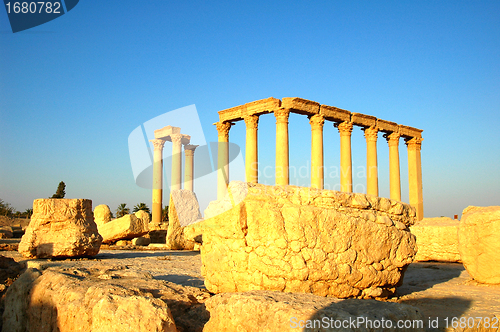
[{"x": 73, "y": 89}]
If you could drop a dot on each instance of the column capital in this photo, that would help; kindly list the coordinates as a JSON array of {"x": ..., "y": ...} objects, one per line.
[
  {"x": 414, "y": 143},
  {"x": 223, "y": 129},
  {"x": 392, "y": 138},
  {"x": 317, "y": 121},
  {"x": 282, "y": 115},
  {"x": 371, "y": 133},
  {"x": 158, "y": 143},
  {"x": 345, "y": 128},
  {"x": 251, "y": 121},
  {"x": 176, "y": 138},
  {"x": 189, "y": 149}
]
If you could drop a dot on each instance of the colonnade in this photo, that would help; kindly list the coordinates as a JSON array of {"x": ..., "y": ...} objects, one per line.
[
  {"x": 171, "y": 134},
  {"x": 317, "y": 114}
]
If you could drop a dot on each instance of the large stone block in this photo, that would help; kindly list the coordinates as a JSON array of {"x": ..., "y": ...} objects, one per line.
[
  {"x": 61, "y": 228},
  {"x": 102, "y": 214},
  {"x": 277, "y": 312},
  {"x": 144, "y": 217},
  {"x": 479, "y": 243},
  {"x": 124, "y": 228},
  {"x": 437, "y": 239},
  {"x": 297, "y": 239},
  {"x": 183, "y": 211}
]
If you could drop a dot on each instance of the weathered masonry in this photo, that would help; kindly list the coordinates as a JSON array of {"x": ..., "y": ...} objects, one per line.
[
  {"x": 171, "y": 134},
  {"x": 317, "y": 114}
]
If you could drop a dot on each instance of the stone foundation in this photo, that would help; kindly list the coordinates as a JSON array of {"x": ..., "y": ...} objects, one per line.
[{"x": 296, "y": 239}]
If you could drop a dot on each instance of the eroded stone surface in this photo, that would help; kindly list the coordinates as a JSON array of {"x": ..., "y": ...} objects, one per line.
[
  {"x": 437, "y": 239},
  {"x": 183, "y": 211},
  {"x": 297, "y": 239},
  {"x": 124, "y": 228},
  {"x": 276, "y": 312},
  {"x": 61, "y": 228},
  {"x": 102, "y": 214},
  {"x": 144, "y": 217},
  {"x": 479, "y": 243}
]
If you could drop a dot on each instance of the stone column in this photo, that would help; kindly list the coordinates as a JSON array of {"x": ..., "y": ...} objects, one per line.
[
  {"x": 317, "y": 172},
  {"x": 251, "y": 154},
  {"x": 157, "y": 180},
  {"x": 282, "y": 115},
  {"x": 371, "y": 134},
  {"x": 189, "y": 166},
  {"x": 223, "y": 158},
  {"x": 345, "y": 130},
  {"x": 394, "y": 174},
  {"x": 176, "y": 161},
  {"x": 415, "y": 175}
]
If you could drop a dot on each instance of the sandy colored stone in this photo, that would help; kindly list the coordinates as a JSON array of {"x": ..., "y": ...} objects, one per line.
[
  {"x": 61, "y": 228},
  {"x": 144, "y": 217},
  {"x": 437, "y": 239},
  {"x": 276, "y": 312},
  {"x": 297, "y": 239},
  {"x": 124, "y": 228},
  {"x": 6, "y": 232},
  {"x": 141, "y": 241},
  {"x": 102, "y": 214},
  {"x": 479, "y": 243},
  {"x": 183, "y": 210},
  {"x": 236, "y": 193}
]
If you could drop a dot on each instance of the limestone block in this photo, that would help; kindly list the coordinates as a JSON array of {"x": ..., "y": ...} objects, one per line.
[
  {"x": 61, "y": 228},
  {"x": 479, "y": 243},
  {"x": 437, "y": 239},
  {"x": 236, "y": 193},
  {"x": 277, "y": 312},
  {"x": 124, "y": 228},
  {"x": 144, "y": 217},
  {"x": 297, "y": 239},
  {"x": 102, "y": 214},
  {"x": 141, "y": 241},
  {"x": 183, "y": 210},
  {"x": 6, "y": 232},
  {"x": 55, "y": 300}
]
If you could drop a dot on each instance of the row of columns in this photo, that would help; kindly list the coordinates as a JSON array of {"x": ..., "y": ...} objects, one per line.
[
  {"x": 176, "y": 175},
  {"x": 317, "y": 170}
]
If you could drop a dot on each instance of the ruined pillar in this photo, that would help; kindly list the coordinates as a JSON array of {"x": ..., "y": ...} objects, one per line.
[
  {"x": 415, "y": 175},
  {"x": 176, "y": 161},
  {"x": 345, "y": 130},
  {"x": 157, "y": 179},
  {"x": 317, "y": 172},
  {"x": 223, "y": 158},
  {"x": 371, "y": 134},
  {"x": 189, "y": 166},
  {"x": 282, "y": 146},
  {"x": 251, "y": 149},
  {"x": 394, "y": 174}
]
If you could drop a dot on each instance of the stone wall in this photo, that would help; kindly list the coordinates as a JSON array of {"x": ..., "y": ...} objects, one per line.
[
  {"x": 297, "y": 239},
  {"x": 437, "y": 239}
]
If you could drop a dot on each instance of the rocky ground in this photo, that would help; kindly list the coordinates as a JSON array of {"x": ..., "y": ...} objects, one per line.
[{"x": 440, "y": 290}]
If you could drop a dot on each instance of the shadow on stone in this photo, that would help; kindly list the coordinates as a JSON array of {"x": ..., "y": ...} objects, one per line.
[
  {"x": 421, "y": 276},
  {"x": 182, "y": 279}
]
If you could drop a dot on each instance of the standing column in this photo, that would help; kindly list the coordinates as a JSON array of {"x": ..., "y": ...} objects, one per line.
[
  {"x": 415, "y": 175},
  {"x": 189, "y": 167},
  {"x": 282, "y": 115},
  {"x": 176, "y": 161},
  {"x": 394, "y": 176},
  {"x": 345, "y": 130},
  {"x": 317, "y": 121},
  {"x": 371, "y": 134},
  {"x": 223, "y": 158},
  {"x": 157, "y": 179},
  {"x": 251, "y": 152}
]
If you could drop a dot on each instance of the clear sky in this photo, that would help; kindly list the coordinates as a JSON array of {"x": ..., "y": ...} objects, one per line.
[{"x": 72, "y": 90}]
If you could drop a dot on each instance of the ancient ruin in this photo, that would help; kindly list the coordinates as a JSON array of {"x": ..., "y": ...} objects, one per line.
[{"x": 317, "y": 114}]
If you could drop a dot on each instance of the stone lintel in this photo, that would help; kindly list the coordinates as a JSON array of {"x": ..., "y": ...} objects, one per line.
[
  {"x": 185, "y": 139},
  {"x": 387, "y": 126},
  {"x": 233, "y": 114},
  {"x": 363, "y": 120},
  {"x": 410, "y": 132},
  {"x": 262, "y": 106},
  {"x": 165, "y": 132},
  {"x": 335, "y": 114},
  {"x": 300, "y": 106}
]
